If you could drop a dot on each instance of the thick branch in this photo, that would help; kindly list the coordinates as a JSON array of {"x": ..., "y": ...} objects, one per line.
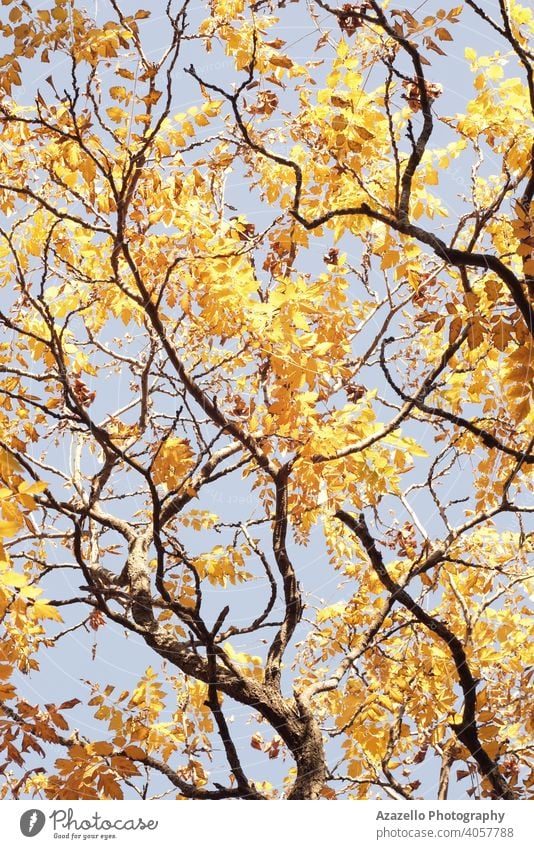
[
  {"x": 293, "y": 603},
  {"x": 466, "y": 730}
]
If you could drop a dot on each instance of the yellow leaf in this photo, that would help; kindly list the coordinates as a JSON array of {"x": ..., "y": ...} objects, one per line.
[
  {"x": 124, "y": 766},
  {"x": 108, "y": 784},
  {"x": 118, "y": 92},
  {"x": 8, "y": 463},
  {"x": 212, "y": 108},
  {"x": 134, "y": 752},
  {"x": 42, "y": 610},
  {"x": 116, "y": 114},
  {"x": 173, "y": 461},
  {"x": 280, "y": 61},
  {"x": 101, "y": 748},
  {"x": 30, "y": 592},
  {"x": 32, "y": 488},
  {"x": 9, "y": 528},
  {"x": 389, "y": 259},
  {"x": 495, "y": 72},
  {"x": 13, "y": 579},
  {"x": 455, "y": 328}
]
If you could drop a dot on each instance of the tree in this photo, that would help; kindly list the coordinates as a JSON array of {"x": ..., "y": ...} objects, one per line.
[{"x": 346, "y": 379}]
